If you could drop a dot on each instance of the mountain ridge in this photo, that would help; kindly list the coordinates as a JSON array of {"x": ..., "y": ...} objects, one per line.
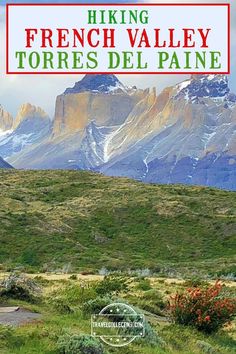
[
  {"x": 30, "y": 126},
  {"x": 97, "y": 83},
  {"x": 185, "y": 134}
]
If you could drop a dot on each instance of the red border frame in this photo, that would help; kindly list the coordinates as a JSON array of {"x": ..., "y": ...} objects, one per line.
[{"x": 114, "y": 72}]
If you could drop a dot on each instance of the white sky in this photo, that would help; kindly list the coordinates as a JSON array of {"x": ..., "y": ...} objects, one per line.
[{"x": 41, "y": 90}]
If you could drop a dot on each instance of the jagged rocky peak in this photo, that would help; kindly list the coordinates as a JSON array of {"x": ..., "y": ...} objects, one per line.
[
  {"x": 214, "y": 86},
  {"x": 100, "y": 83},
  {"x": 102, "y": 98},
  {"x": 29, "y": 111},
  {"x": 6, "y": 120}
]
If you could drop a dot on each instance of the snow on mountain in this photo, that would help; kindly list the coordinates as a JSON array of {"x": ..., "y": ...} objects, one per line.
[
  {"x": 213, "y": 86},
  {"x": 192, "y": 139},
  {"x": 185, "y": 134},
  {"x": 31, "y": 125},
  {"x": 99, "y": 98},
  {"x": 97, "y": 84},
  {"x": 4, "y": 164}
]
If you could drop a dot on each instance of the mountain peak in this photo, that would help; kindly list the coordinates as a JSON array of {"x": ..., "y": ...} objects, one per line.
[
  {"x": 6, "y": 120},
  {"x": 213, "y": 86},
  {"x": 210, "y": 78},
  {"x": 99, "y": 83},
  {"x": 29, "y": 111}
]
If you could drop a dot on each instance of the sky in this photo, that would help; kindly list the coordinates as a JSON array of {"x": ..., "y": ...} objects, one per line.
[{"x": 41, "y": 90}]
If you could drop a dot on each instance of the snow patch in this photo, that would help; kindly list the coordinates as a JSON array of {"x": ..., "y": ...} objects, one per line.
[
  {"x": 22, "y": 140},
  {"x": 4, "y": 133},
  {"x": 183, "y": 85},
  {"x": 210, "y": 77}
]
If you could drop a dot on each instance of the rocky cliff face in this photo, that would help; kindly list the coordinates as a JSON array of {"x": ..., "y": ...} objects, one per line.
[
  {"x": 186, "y": 134},
  {"x": 31, "y": 126},
  {"x": 99, "y": 98},
  {"x": 30, "y": 113},
  {"x": 6, "y": 120},
  {"x": 193, "y": 140}
]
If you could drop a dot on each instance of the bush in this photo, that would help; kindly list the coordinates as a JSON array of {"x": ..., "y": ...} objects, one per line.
[
  {"x": 155, "y": 296},
  {"x": 206, "y": 309},
  {"x": 112, "y": 285},
  {"x": 228, "y": 272},
  {"x": 195, "y": 282},
  {"x": 19, "y": 287},
  {"x": 73, "y": 277},
  {"x": 5, "y": 332},
  {"x": 144, "y": 284},
  {"x": 41, "y": 281},
  {"x": 30, "y": 257},
  {"x": 76, "y": 294},
  {"x": 61, "y": 305},
  {"x": 151, "y": 337},
  {"x": 94, "y": 306},
  {"x": 151, "y": 301},
  {"x": 88, "y": 272},
  {"x": 206, "y": 347},
  {"x": 76, "y": 344}
]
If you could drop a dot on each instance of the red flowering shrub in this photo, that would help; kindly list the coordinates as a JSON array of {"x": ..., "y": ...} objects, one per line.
[{"x": 206, "y": 309}]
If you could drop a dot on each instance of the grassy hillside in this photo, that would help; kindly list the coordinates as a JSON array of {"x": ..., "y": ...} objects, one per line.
[{"x": 53, "y": 218}]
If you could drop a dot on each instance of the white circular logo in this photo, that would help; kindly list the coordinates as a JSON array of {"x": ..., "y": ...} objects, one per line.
[{"x": 117, "y": 325}]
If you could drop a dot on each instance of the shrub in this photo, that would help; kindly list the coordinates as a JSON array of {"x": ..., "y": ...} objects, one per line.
[
  {"x": 88, "y": 272},
  {"x": 75, "y": 293},
  {"x": 206, "y": 309},
  {"x": 94, "y": 306},
  {"x": 76, "y": 344},
  {"x": 41, "y": 281},
  {"x": 73, "y": 277},
  {"x": 5, "y": 332},
  {"x": 17, "y": 286},
  {"x": 30, "y": 257},
  {"x": 206, "y": 347},
  {"x": 151, "y": 337},
  {"x": 112, "y": 285},
  {"x": 151, "y": 301},
  {"x": 144, "y": 284},
  {"x": 195, "y": 282},
  {"x": 61, "y": 305},
  {"x": 155, "y": 296},
  {"x": 155, "y": 269},
  {"x": 228, "y": 272}
]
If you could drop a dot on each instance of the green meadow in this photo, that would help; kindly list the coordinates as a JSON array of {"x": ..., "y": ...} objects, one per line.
[
  {"x": 82, "y": 221},
  {"x": 67, "y": 229}
]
